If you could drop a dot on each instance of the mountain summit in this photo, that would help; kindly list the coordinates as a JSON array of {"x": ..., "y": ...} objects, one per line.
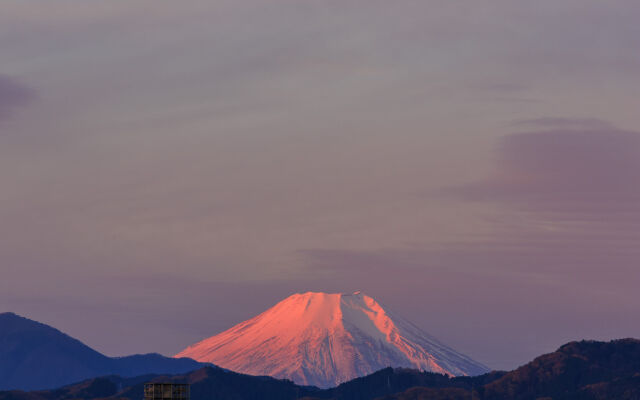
[{"x": 325, "y": 339}]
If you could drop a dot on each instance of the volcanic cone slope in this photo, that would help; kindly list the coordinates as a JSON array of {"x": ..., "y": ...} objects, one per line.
[{"x": 325, "y": 339}]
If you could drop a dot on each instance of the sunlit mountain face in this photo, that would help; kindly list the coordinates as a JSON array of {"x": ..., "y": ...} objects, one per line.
[{"x": 325, "y": 339}]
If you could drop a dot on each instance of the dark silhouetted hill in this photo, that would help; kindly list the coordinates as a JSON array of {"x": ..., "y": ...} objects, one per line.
[
  {"x": 585, "y": 370},
  {"x": 37, "y": 356},
  {"x": 577, "y": 370},
  {"x": 219, "y": 384}
]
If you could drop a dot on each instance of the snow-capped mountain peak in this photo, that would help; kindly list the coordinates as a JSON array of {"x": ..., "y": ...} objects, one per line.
[{"x": 324, "y": 339}]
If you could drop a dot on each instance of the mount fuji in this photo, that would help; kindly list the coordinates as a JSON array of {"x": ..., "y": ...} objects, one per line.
[{"x": 324, "y": 339}]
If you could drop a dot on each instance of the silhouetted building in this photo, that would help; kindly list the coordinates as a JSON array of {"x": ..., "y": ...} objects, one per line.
[{"x": 166, "y": 391}]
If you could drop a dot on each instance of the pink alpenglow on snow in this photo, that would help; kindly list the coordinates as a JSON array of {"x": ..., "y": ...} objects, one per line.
[{"x": 325, "y": 339}]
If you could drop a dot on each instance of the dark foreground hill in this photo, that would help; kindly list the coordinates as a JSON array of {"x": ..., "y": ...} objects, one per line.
[
  {"x": 37, "y": 356},
  {"x": 579, "y": 370},
  {"x": 219, "y": 384},
  {"x": 585, "y": 370}
]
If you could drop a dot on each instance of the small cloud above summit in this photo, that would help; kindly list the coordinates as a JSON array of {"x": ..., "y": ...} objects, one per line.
[{"x": 13, "y": 94}]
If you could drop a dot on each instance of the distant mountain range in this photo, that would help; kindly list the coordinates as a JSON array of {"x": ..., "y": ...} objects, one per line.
[
  {"x": 37, "y": 356},
  {"x": 585, "y": 370},
  {"x": 324, "y": 339}
]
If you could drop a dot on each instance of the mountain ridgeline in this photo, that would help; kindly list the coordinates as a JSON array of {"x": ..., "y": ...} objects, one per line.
[
  {"x": 37, "y": 356},
  {"x": 585, "y": 370}
]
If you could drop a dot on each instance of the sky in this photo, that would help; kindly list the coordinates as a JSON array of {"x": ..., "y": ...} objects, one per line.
[{"x": 169, "y": 169}]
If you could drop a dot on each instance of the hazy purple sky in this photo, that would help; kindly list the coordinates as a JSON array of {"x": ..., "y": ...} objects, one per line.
[{"x": 171, "y": 168}]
